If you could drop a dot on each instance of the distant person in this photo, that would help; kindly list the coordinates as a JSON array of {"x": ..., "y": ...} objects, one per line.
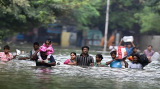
[
  {"x": 115, "y": 62},
  {"x": 48, "y": 46},
  {"x": 44, "y": 62},
  {"x": 33, "y": 53},
  {"x": 149, "y": 52},
  {"x": 129, "y": 47},
  {"x": 71, "y": 61},
  {"x": 98, "y": 62},
  {"x": 134, "y": 51},
  {"x": 6, "y": 55},
  {"x": 135, "y": 64},
  {"x": 85, "y": 59}
]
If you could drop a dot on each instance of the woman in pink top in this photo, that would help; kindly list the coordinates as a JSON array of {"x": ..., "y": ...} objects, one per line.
[
  {"x": 6, "y": 55},
  {"x": 71, "y": 61}
]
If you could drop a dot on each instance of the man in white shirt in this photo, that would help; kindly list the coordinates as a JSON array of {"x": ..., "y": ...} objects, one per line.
[{"x": 33, "y": 53}]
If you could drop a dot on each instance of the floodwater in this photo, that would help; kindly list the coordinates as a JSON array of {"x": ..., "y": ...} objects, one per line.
[{"x": 23, "y": 74}]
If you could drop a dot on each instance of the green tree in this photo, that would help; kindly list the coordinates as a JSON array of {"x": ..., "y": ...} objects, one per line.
[
  {"x": 81, "y": 13},
  {"x": 23, "y": 14},
  {"x": 149, "y": 17},
  {"x": 154, "y": 4},
  {"x": 121, "y": 15}
]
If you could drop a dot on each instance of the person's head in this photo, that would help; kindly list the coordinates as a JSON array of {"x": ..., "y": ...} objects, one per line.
[
  {"x": 6, "y": 49},
  {"x": 128, "y": 45},
  {"x": 43, "y": 54},
  {"x": 48, "y": 43},
  {"x": 135, "y": 49},
  {"x": 36, "y": 45},
  {"x": 149, "y": 47},
  {"x": 99, "y": 57},
  {"x": 85, "y": 49},
  {"x": 43, "y": 51},
  {"x": 73, "y": 55},
  {"x": 113, "y": 54},
  {"x": 135, "y": 58}
]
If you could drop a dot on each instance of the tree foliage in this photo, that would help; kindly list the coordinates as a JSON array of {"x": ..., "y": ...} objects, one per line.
[
  {"x": 149, "y": 17},
  {"x": 124, "y": 15},
  {"x": 82, "y": 13},
  {"x": 29, "y": 12}
]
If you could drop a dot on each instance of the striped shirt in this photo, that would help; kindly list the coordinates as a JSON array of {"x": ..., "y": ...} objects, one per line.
[{"x": 84, "y": 60}]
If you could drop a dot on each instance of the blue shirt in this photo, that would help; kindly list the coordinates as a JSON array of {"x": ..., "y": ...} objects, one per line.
[
  {"x": 129, "y": 51},
  {"x": 116, "y": 64}
]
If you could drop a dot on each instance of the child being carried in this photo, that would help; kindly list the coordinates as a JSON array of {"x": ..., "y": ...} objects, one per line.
[{"x": 48, "y": 46}]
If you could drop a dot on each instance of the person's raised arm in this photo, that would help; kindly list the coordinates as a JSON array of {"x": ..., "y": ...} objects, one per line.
[
  {"x": 133, "y": 44},
  {"x": 120, "y": 43},
  {"x": 109, "y": 62}
]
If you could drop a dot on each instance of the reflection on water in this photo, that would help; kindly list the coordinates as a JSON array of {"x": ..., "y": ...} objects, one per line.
[{"x": 22, "y": 74}]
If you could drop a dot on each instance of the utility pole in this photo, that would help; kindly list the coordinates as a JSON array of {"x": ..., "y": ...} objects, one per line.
[{"x": 106, "y": 26}]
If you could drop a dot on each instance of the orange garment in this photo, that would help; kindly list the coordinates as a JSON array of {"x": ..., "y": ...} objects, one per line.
[
  {"x": 130, "y": 58},
  {"x": 109, "y": 42},
  {"x": 102, "y": 42}
]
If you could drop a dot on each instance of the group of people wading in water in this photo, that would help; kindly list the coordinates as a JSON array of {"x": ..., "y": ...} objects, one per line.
[{"x": 42, "y": 55}]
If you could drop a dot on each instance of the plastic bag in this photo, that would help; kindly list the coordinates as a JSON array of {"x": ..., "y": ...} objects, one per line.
[{"x": 128, "y": 38}]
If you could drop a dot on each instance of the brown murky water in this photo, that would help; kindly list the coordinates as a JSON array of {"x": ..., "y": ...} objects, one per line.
[{"x": 23, "y": 74}]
